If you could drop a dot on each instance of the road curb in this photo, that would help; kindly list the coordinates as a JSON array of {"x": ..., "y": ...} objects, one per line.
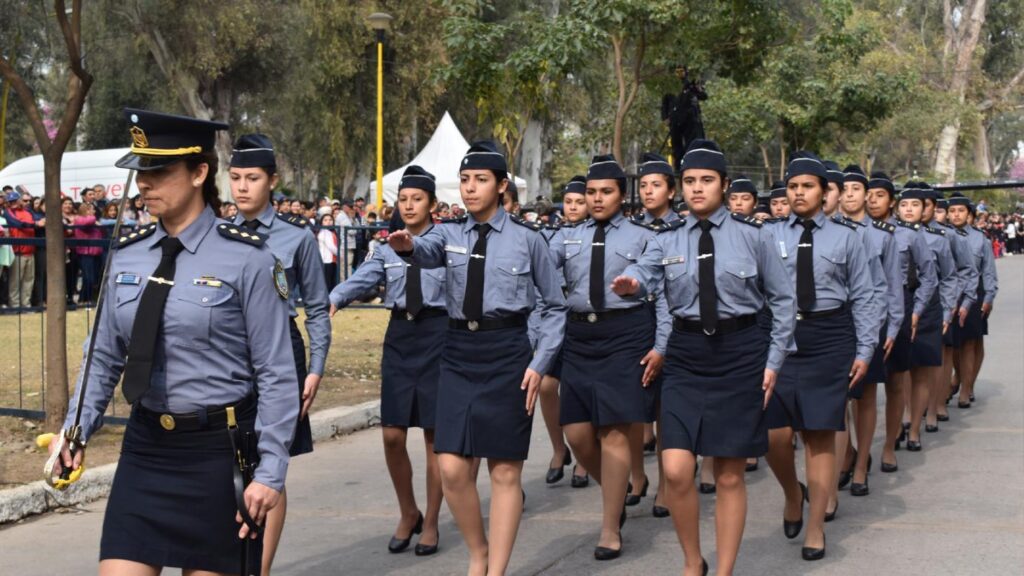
[{"x": 37, "y": 497}]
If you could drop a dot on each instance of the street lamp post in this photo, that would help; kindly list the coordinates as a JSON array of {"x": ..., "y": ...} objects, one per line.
[{"x": 379, "y": 22}]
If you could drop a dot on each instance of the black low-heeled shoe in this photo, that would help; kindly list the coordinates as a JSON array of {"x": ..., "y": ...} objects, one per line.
[
  {"x": 397, "y": 544},
  {"x": 971, "y": 397},
  {"x": 963, "y": 406},
  {"x": 660, "y": 512},
  {"x": 845, "y": 476},
  {"x": 830, "y": 516},
  {"x": 634, "y": 499},
  {"x": 931, "y": 429},
  {"x": 707, "y": 488},
  {"x": 652, "y": 446},
  {"x": 792, "y": 529},
  {"x": 426, "y": 549},
  {"x": 942, "y": 417},
  {"x": 858, "y": 489},
  {"x": 889, "y": 468},
  {"x": 752, "y": 467},
  {"x": 580, "y": 481},
  {"x": 557, "y": 473},
  {"x": 811, "y": 554},
  {"x": 914, "y": 445},
  {"x": 601, "y": 553}
]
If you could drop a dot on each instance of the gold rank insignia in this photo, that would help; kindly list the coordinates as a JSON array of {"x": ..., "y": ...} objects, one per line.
[
  {"x": 139, "y": 139},
  {"x": 280, "y": 279}
]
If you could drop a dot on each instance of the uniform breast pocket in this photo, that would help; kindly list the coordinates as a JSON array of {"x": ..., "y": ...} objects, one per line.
[
  {"x": 514, "y": 277},
  {"x": 678, "y": 287},
  {"x": 456, "y": 272},
  {"x": 395, "y": 274},
  {"x": 126, "y": 301},
  {"x": 832, "y": 266},
  {"x": 433, "y": 281},
  {"x": 192, "y": 310},
  {"x": 623, "y": 258},
  {"x": 574, "y": 264},
  {"x": 737, "y": 276}
]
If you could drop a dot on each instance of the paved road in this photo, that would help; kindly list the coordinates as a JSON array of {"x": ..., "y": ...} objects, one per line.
[{"x": 956, "y": 508}]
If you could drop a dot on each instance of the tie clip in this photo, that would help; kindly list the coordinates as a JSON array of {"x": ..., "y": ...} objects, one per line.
[
  {"x": 805, "y": 245},
  {"x": 703, "y": 256},
  {"x": 161, "y": 281},
  {"x": 597, "y": 244},
  {"x": 480, "y": 256}
]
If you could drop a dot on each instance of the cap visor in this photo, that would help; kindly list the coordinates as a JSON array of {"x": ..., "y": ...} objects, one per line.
[{"x": 132, "y": 161}]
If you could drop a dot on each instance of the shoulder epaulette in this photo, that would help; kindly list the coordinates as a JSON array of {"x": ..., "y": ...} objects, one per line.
[
  {"x": 839, "y": 219},
  {"x": 567, "y": 224},
  {"x": 774, "y": 220},
  {"x": 881, "y": 225},
  {"x": 747, "y": 219},
  {"x": 639, "y": 221},
  {"x": 535, "y": 226},
  {"x": 455, "y": 220},
  {"x": 938, "y": 231},
  {"x": 240, "y": 234},
  {"x": 673, "y": 225},
  {"x": 134, "y": 236},
  {"x": 905, "y": 224},
  {"x": 976, "y": 228},
  {"x": 293, "y": 220},
  {"x": 960, "y": 231}
]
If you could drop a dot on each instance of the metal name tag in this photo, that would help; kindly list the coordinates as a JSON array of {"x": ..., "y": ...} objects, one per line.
[
  {"x": 572, "y": 241},
  {"x": 128, "y": 278},
  {"x": 394, "y": 265},
  {"x": 207, "y": 281},
  {"x": 782, "y": 249},
  {"x": 673, "y": 260},
  {"x": 456, "y": 249}
]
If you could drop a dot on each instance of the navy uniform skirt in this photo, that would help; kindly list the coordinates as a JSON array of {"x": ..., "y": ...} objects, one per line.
[
  {"x": 481, "y": 409},
  {"x": 410, "y": 369},
  {"x": 654, "y": 389},
  {"x": 302, "y": 442},
  {"x": 901, "y": 357},
  {"x": 810, "y": 393},
  {"x": 876, "y": 368},
  {"x": 602, "y": 375},
  {"x": 172, "y": 501},
  {"x": 976, "y": 325},
  {"x": 926, "y": 349},
  {"x": 711, "y": 401}
]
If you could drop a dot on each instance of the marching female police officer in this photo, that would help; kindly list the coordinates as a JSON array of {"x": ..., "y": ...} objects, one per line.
[
  {"x": 836, "y": 333},
  {"x": 410, "y": 365},
  {"x": 197, "y": 323},
  {"x": 253, "y": 177},
  {"x": 742, "y": 196},
  {"x": 497, "y": 270},
  {"x": 718, "y": 271},
  {"x": 609, "y": 354}
]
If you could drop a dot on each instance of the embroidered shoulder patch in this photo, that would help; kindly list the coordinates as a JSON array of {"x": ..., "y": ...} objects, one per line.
[{"x": 280, "y": 279}]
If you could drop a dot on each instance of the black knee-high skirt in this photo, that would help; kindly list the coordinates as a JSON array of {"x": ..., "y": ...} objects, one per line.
[
  {"x": 975, "y": 326},
  {"x": 410, "y": 369},
  {"x": 172, "y": 501},
  {"x": 926, "y": 349},
  {"x": 654, "y": 388},
  {"x": 601, "y": 373},
  {"x": 711, "y": 400},
  {"x": 876, "y": 369},
  {"x": 481, "y": 409},
  {"x": 302, "y": 442},
  {"x": 901, "y": 357},
  {"x": 810, "y": 393}
]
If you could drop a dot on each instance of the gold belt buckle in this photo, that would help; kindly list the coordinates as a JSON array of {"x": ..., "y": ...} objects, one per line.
[
  {"x": 592, "y": 317},
  {"x": 167, "y": 421},
  {"x": 473, "y": 325}
]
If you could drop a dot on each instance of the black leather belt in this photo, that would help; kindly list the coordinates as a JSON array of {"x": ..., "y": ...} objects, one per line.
[
  {"x": 820, "y": 313},
  {"x": 488, "y": 323},
  {"x": 595, "y": 317},
  {"x": 403, "y": 314},
  {"x": 725, "y": 325},
  {"x": 190, "y": 422}
]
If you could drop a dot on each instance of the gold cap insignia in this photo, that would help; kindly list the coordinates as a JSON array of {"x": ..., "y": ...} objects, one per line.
[{"x": 139, "y": 139}]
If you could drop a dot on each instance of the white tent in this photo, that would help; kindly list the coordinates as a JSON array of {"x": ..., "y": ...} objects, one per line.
[
  {"x": 78, "y": 170},
  {"x": 441, "y": 157}
]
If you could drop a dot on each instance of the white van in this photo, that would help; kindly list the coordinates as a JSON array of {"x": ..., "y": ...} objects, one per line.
[{"x": 79, "y": 170}]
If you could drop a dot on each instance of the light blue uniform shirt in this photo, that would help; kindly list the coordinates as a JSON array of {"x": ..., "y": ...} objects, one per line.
[
  {"x": 386, "y": 267},
  {"x": 980, "y": 249},
  {"x": 967, "y": 288},
  {"x": 518, "y": 275},
  {"x": 748, "y": 273},
  {"x": 841, "y": 275},
  {"x": 880, "y": 239},
  {"x": 624, "y": 242},
  {"x": 913, "y": 249},
  {"x": 296, "y": 247},
  {"x": 945, "y": 266},
  {"x": 224, "y": 333}
]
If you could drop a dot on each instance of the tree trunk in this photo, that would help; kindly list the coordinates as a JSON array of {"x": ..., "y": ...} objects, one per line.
[
  {"x": 56, "y": 404},
  {"x": 982, "y": 153},
  {"x": 767, "y": 165}
]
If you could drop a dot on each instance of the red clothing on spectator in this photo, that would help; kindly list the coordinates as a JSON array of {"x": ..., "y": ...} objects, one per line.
[
  {"x": 86, "y": 229},
  {"x": 28, "y": 230}
]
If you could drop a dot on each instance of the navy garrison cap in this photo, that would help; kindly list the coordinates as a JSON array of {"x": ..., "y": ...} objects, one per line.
[
  {"x": 253, "y": 151},
  {"x": 881, "y": 180},
  {"x": 655, "y": 164},
  {"x": 762, "y": 208},
  {"x": 578, "y": 185},
  {"x": 940, "y": 201},
  {"x": 958, "y": 199},
  {"x": 416, "y": 177},
  {"x": 912, "y": 191},
  {"x": 605, "y": 167},
  {"x": 484, "y": 155},
  {"x": 778, "y": 189},
  {"x": 159, "y": 140},
  {"x": 804, "y": 163},
  {"x": 931, "y": 193},
  {"x": 703, "y": 155},
  {"x": 742, "y": 185},
  {"x": 834, "y": 174},
  {"x": 854, "y": 173}
]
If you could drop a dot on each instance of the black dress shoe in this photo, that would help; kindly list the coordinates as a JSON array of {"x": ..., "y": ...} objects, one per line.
[
  {"x": 942, "y": 417},
  {"x": 426, "y": 549},
  {"x": 707, "y": 488},
  {"x": 845, "y": 476},
  {"x": 752, "y": 467},
  {"x": 580, "y": 481},
  {"x": 792, "y": 529},
  {"x": 652, "y": 446},
  {"x": 602, "y": 553},
  {"x": 930, "y": 428},
  {"x": 857, "y": 489},
  {"x": 557, "y": 473},
  {"x": 660, "y": 512},
  {"x": 634, "y": 499},
  {"x": 971, "y": 397},
  {"x": 811, "y": 554},
  {"x": 397, "y": 544},
  {"x": 914, "y": 445},
  {"x": 889, "y": 468},
  {"x": 963, "y": 406},
  {"x": 830, "y": 516}
]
